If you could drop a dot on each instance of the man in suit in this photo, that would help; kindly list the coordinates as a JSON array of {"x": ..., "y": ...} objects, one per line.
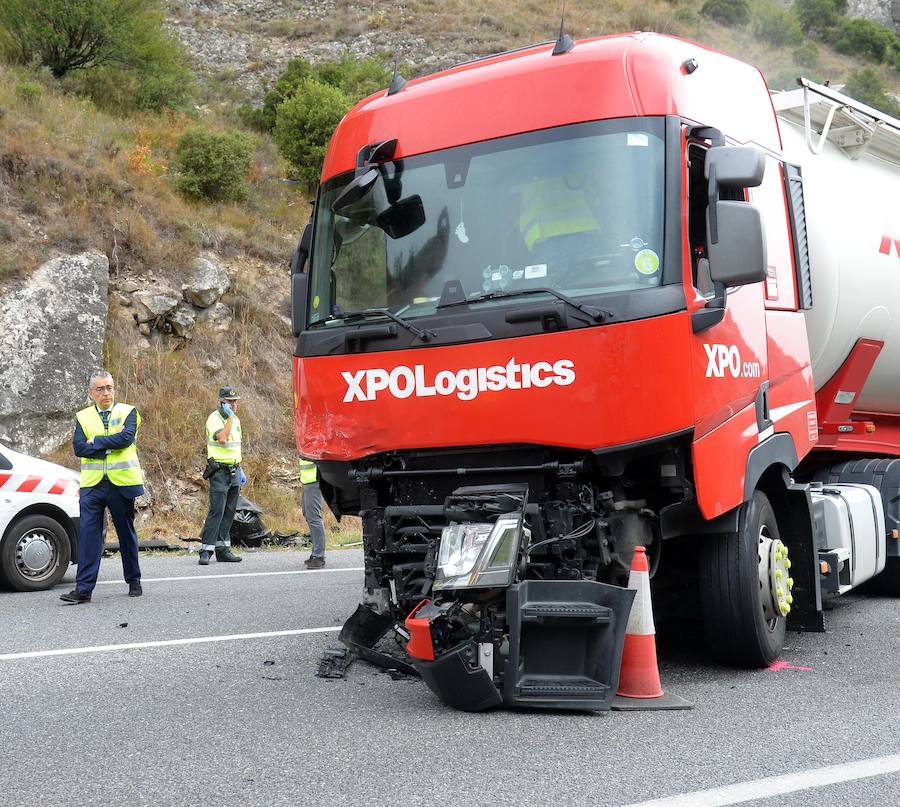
[{"x": 111, "y": 479}]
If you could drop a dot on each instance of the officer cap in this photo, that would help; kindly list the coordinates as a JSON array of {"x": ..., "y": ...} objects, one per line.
[{"x": 228, "y": 394}]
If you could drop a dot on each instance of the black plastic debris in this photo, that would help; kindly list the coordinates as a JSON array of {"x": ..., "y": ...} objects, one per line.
[
  {"x": 399, "y": 675},
  {"x": 155, "y": 544},
  {"x": 334, "y": 662},
  {"x": 248, "y": 528}
]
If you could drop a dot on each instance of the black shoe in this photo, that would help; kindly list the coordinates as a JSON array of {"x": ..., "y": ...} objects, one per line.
[
  {"x": 204, "y": 558},
  {"x": 227, "y": 557},
  {"x": 134, "y": 589},
  {"x": 75, "y": 596},
  {"x": 314, "y": 562}
]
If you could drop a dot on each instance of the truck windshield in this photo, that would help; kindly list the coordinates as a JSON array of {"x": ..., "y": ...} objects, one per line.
[{"x": 578, "y": 209}]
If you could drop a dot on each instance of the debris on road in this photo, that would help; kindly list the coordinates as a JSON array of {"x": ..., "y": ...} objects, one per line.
[{"x": 334, "y": 662}]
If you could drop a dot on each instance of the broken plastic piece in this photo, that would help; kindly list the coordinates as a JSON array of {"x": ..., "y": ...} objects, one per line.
[{"x": 334, "y": 663}]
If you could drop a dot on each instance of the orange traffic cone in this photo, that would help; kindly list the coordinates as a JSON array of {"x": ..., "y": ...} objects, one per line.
[{"x": 639, "y": 686}]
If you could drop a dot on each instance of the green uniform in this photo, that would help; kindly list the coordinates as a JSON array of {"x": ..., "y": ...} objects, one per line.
[{"x": 224, "y": 483}]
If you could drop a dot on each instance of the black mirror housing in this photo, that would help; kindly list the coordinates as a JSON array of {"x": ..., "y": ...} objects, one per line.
[
  {"x": 299, "y": 296},
  {"x": 735, "y": 166},
  {"x": 356, "y": 189},
  {"x": 301, "y": 253},
  {"x": 739, "y": 256}
]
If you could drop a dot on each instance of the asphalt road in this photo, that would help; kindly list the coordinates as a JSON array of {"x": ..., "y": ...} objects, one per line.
[{"x": 244, "y": 721}]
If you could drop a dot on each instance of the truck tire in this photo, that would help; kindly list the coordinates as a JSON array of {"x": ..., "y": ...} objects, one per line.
[
  {"x": 34, "y": 554},
  {"x": 741, "y": 626}
]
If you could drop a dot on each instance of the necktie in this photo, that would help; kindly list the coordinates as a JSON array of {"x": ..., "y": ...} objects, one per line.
[{"x": 104, "y": 416}]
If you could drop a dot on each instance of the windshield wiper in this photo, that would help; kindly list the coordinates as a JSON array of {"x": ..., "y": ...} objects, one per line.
[
  {"x": 366, "y": 313},
  {"x": 596, "y": 314}
]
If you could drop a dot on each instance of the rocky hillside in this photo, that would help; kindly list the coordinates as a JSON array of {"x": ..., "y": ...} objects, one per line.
[{"x": 249, "y": 42}]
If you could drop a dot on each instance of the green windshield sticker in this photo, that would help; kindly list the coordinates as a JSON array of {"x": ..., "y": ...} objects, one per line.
[
  {"x": 646, "y": 262},
  {"x": 315, "y": 302}
]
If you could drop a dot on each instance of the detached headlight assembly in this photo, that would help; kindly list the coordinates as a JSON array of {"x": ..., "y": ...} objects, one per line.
[{"x": 476, "y": 555}]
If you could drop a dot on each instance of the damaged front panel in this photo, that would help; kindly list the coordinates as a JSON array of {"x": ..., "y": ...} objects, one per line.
[{"x": 511, "y": 590}]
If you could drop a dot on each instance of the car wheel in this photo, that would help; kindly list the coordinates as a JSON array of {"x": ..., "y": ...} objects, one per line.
[{"x": 34, "y": 554}]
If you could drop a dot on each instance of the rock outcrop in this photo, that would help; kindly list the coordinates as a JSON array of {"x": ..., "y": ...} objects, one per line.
[
  {"x": 52, "y": 328},
  {"x": 206, "y": 283}
]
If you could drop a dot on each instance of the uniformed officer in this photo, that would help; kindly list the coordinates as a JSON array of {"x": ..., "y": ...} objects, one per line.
[
  {"x": 223, "y": 469},
  {"x": 111, "y": 478},
  {"x": 311, "y": 504}
]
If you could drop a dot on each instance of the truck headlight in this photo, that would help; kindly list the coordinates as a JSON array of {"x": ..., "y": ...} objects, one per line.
[{"x": 476, "y": 555}]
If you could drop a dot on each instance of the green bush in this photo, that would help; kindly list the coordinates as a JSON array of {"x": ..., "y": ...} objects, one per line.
[
  {"x": 252, "y": 117},
  {"x": 772, "y": 22},
  {"x": 727, "y": 12},
  {"x": 822, "y": 16},
  {"x": 807, "y": 55},
  {"x": 866, "y": 85},
  {"x": 866, "y": 39},
  {"x": 356, "y": 79},
  {"x": 29, "y": 92},
  {"x": 213, "y": 166},
  {"x": 285, "y": 86},
  {"x": 305, "y": 123}
]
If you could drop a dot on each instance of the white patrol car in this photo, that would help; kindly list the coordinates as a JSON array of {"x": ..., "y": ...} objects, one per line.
[{"x": 38, "y": 521}]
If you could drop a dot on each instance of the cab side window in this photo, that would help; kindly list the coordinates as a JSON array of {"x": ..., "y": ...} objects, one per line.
[
  {"x": 697, "y": 203},
  {"x": 5, "y": 464}
]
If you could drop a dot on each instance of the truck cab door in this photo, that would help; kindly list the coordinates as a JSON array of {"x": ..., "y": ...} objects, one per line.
[{"x": 728, "y": 344}]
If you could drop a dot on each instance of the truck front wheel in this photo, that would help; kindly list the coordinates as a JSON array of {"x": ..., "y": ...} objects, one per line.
[
  {"x": 34, "y": 554},
  {"x": 745, "y": 588}
]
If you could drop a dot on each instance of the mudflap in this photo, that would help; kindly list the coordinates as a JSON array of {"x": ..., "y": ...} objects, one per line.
[
  {"x": 565, "y": 644},
  {"x": 458, "y": 683},
  {"x": 363, "y": 632}
]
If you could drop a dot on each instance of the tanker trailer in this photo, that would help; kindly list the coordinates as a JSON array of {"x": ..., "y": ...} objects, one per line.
[{"x": 849, "y": 159}]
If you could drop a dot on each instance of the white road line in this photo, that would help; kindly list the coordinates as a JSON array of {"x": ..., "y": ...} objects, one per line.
[
  {"x": 779, "y": 785},
  {"x": 104, "y": 648},
  {"x": 238, "y": 574}
]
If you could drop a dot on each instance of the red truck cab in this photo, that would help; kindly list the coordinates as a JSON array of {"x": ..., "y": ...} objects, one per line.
[{"x": 549, "y": 308}]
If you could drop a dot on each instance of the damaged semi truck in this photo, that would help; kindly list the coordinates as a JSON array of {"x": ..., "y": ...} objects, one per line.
[{"x": 565, "y": 301}]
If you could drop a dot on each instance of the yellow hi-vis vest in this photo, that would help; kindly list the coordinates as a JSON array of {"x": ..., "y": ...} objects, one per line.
[
  {"x": 121, "y": 464},
  {"x": 308, "y": 472},
  {"x": 229, "y": 451},
  {"x": 550, "y": 208}
]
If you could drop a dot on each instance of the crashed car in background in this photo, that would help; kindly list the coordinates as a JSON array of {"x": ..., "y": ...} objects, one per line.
[{"x": 38, "y": 521}]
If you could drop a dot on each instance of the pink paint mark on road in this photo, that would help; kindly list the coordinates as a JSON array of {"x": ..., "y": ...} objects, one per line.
[{"x": 775, "y": 666}]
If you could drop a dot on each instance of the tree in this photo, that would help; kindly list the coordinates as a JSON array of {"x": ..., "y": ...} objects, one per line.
[
  {"x": 305, "y": 123},
  {"x": 69, "y": 35},
  {"x": 866, "y": 85},
  {"x": 821, "y": 16},
  {"x": 355, "y": 78},
  {"x": 865, "y": 38}
]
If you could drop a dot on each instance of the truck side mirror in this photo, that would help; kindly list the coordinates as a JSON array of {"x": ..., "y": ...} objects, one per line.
[
  {"x": 299, "y": 294},
  {"x": 735, "y": 166},
  {"x": 301, "y": 253},
  {"x": 739, "y": 255},
  {"x": 355, "y": 190},
  {"x": 736, "y": 249}
]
